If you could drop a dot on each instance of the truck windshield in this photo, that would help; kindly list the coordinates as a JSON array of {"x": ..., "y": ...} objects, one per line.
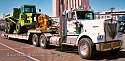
[
  {"x": 29, "y": 10},
  {"x": 85, "y": 15}
]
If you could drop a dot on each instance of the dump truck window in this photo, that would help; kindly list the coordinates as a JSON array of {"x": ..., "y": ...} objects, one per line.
[{"x": 27, "y": 9}]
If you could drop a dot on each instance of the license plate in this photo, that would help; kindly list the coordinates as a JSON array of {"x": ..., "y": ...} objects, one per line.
[{"x": 111, "y": 45}]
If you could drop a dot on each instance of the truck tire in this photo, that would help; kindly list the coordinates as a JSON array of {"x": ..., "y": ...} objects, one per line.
[
  {"x": 86, "y": 48},
  {"x": 43, "y": 41},
  {"x": 35, "y": 40},
  {"x": 18, "y": 28},
  {"x": 6, "y": 28},
  {"x": 9, "y": 28}
]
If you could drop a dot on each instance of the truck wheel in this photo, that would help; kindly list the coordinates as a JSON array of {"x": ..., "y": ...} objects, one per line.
[
  {"x": 6, "y": 28},
  {"x": 18, "y": 28},
  {"x": 43, "y": 41},
  {"x": 9, "y": 28},
  {"x": 35, "y": 40},
  {"x": 86, "y": 48}
]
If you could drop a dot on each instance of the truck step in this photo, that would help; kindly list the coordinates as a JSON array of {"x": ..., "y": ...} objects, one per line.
[{"x": 68, "y": 44}]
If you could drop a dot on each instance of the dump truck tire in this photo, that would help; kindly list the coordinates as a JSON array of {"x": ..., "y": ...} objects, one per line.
[
  {"x": 18, "y": 28},
  {"x": 9, "y": 28},
  {"x": 86, "y": 48},
  {"x": 6, "y": 28}
]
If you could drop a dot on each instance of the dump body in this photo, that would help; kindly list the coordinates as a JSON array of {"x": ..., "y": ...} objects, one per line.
[{"x": 21, "y": 18}]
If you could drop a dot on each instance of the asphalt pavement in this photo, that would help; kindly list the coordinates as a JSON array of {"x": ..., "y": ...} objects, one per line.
[{"x": 21, "y": 50}]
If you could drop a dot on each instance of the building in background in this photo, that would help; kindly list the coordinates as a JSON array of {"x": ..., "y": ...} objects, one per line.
[
  {"x": 68, "y": 5},
  {"x": 107, "y": 15}
]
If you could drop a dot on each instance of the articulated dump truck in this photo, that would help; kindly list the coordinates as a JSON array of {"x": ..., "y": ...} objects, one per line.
[
  {"x": 76, "y": 28},
  {"x": 21, "y": 18}
]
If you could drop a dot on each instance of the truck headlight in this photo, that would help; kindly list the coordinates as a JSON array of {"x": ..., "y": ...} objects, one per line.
[
  {"x": 100, "y": 37},
  {"x": 120, "y": 34}
]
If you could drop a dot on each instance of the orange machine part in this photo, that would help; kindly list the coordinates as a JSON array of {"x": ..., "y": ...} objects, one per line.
[{"x": 42, "y": 22}]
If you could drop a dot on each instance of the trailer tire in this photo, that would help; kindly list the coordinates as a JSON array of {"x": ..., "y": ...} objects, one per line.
[
  {"x": 43, "y": 41},
  {"x": 35, "y": 40},
  {"x": 7, "y": 37},
  {"x": 86, "y": 48}
]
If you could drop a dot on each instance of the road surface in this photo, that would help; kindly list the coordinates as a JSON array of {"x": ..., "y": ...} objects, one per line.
[{"x": 21, "y": 50}]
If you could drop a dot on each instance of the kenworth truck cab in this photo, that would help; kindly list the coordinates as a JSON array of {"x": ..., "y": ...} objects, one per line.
[{"x": 91, "y": 34}]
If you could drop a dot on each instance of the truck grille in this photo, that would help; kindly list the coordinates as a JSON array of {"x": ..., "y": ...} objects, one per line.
[{"x": 110, "y": 28}]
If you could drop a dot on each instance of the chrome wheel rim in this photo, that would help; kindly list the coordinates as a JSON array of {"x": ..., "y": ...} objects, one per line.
[
  {"x": 42, "y": 40},
  {"x": 84, "y": 49},
  {"x": 35, "y": 40}
]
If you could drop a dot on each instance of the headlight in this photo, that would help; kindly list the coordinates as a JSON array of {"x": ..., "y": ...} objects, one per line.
[
  {"x": 120, "y": 34},
  {"x": 121, "y": 28},
  {"x": 100, "y": 37}
]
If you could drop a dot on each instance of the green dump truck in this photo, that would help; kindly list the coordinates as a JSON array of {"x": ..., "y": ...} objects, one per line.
[{"x": 21, "y": 19}]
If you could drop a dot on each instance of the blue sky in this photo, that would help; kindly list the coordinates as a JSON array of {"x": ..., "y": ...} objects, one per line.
[
  {"x": 104, "y": 5},
  {"x": 46, "y": 5},
  {"x": 6, "y": 6}
]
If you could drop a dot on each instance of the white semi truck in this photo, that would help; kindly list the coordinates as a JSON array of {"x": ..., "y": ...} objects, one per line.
[{"x": 78, "y": 28}]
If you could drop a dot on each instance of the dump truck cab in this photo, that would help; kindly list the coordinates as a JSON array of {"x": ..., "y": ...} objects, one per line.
[
  {"x": 26, "y": 15},
  {"x": 28, "y": 9}
]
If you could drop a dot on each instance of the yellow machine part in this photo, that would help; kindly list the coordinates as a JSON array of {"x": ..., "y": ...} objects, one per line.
[{"x": 42, "y": 22}]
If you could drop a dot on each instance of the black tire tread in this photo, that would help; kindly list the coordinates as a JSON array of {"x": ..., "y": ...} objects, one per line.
[
  {"x": 92, "y": 48},
  {"x": 46, "y": 43},
  {"x": 37, "y": 42}
]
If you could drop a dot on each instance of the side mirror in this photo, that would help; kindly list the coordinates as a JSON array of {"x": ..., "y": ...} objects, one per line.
[
  {"x": 69, "y": 15},
  {"x": 74, "y": 17},
  {"x": 39, "y": 10}
]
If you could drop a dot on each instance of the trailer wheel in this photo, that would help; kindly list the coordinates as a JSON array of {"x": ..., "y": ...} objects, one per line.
[
  {"x": 43, "y": 41},
  {"x": 35, "y": 40},
  {"x": 86, "y": 48}
]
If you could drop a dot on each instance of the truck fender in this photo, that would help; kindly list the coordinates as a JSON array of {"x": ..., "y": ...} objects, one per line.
[{"x": 82, "y": 35}]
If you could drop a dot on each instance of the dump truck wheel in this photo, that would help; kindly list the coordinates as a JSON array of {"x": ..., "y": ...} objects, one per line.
[
  {"x": 86, "y": 48},
  {"x": 43, "y": 41},
  {"x": 9, "y": 28},
  {"x": 6, "y": 28},
  {"x": 35, "y": 40},
  {"x": 18, "y": 28}
]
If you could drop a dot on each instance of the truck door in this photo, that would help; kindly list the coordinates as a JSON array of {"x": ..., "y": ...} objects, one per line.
[{"x": 71, "y": 26}]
